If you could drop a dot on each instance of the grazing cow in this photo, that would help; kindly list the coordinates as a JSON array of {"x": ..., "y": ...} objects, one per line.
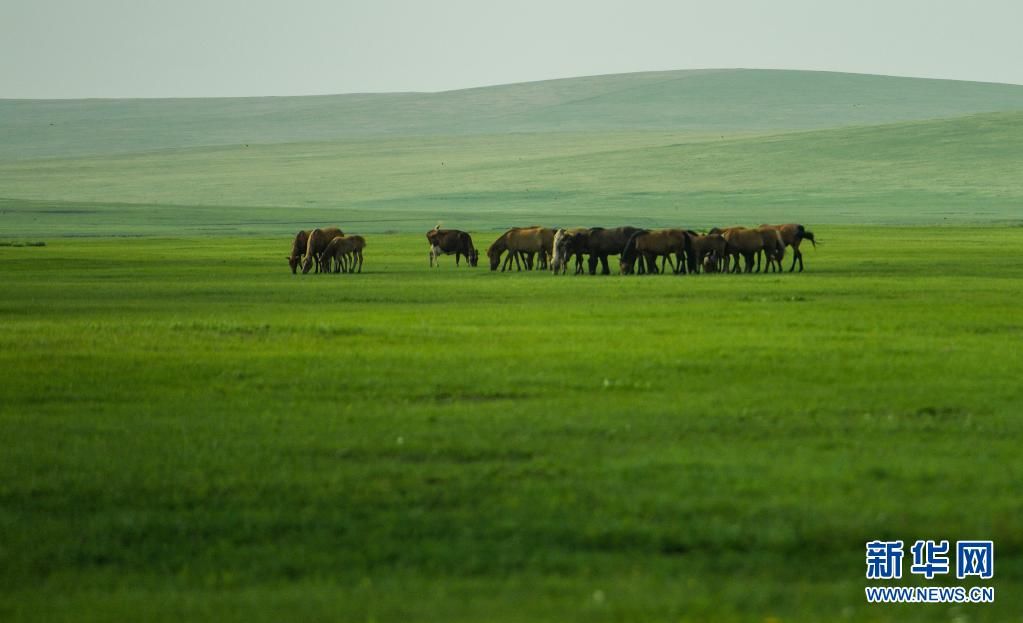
[
  {"x": 297, "y": 249},
  {"x": 451, "y": 242},
  {"x": 601, "y": 243},
  {"x": 346, "y": 254},
  {"x": 791, "y": 235},
  {"x": 318, "y": 241},
  {"x": 649, "y": 245}
]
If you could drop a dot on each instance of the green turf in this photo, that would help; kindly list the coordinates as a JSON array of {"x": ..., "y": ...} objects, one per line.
[{"x": 191, "y": 432}]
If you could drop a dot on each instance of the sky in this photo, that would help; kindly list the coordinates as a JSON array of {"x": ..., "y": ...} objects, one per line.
[{"x": 217, "y": 48}]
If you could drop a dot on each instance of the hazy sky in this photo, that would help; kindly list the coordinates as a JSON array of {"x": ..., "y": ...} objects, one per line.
[{"x": 162, "y": 48}]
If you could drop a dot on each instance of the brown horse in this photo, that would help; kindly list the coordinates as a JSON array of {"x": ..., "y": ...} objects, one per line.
[
  {"x": 745, "y": 242},
  {"x": 774, "y": 249},
  {"x": 297, "y": 249},
  {"x": 705, "y": 245},
  {"x": 318, "y": 241},
  {"x": 521, "y": 243},
  {"x": 344, "y": 254},
  {"x": 791, "y": 235},
  {"x": 649, "y": 245}
]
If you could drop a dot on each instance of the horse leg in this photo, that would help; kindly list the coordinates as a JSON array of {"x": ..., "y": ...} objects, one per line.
[
  {"x": 799, "y": 254},
  {"x": 605, "y": 269}
]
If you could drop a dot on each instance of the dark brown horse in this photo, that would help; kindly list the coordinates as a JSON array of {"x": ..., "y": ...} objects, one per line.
[
  {"x": 791, "y": 235},
  {"x": 601, "y": 243},
  {"x": 297, "y": 249}
]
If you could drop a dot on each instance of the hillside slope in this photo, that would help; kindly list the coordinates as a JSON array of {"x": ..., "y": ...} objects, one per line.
[
  {"x": 953, "y": 170},
  {"x": 696, "y": 101}
]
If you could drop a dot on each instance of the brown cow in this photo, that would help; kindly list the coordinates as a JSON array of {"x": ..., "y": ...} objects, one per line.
[
  {"x": 451, "y": 242},
  {"x": 791, "y": 235},
  {"x": 297, "y": 249},
  {"x": 318, "y": 241}
]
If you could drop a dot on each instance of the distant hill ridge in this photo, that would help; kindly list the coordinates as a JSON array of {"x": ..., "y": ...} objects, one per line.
[{"x": 701, "y": 101}]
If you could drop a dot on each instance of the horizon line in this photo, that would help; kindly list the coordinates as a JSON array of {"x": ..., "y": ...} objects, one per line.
[{"x": 494, "y": 85}]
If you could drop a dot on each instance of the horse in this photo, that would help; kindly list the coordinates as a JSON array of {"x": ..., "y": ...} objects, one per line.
[
  {"x": 297, "y": 249},
  {"x": 705, "y": 245},
  {"x": 346, "y": 253},
  {"x": 566, "y": 243},
  {"x": 774, "y": 248},
  {"x": 791, "y": 235},
  {"x": 745, "y": 242},
  {"x": 649, "y": 245},
  {"x": 451, "y": 242},
  {"x": 520, "y": 242},
  {"x": 317, "y": 242},
  {"x": 601, "y": 243},
  {"x": 710, "y": 262}
]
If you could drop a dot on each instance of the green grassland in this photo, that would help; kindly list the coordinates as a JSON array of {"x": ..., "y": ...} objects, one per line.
[
  {"x": 962, "y": 170},
  {"x": 195, "y": 432},
  {"x": 191, "y": 432}
]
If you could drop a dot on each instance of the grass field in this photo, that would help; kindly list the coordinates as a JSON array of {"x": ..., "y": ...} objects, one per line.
[{"x": 193, "y": 433}]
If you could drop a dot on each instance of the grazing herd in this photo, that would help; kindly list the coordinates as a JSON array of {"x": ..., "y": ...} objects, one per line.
[
  {"x": 680, "y": 251},
  {"x": 328, "y": 249}
]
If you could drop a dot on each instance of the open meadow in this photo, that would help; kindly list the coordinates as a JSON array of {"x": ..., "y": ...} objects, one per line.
[{"x": 194, "y": 433}]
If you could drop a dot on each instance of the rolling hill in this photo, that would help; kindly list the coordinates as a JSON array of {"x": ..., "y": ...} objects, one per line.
[
  {"x": 689, "y": 147},
  {"x": 953, "y": 170},
  {"x": 696, "y": 101}
]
